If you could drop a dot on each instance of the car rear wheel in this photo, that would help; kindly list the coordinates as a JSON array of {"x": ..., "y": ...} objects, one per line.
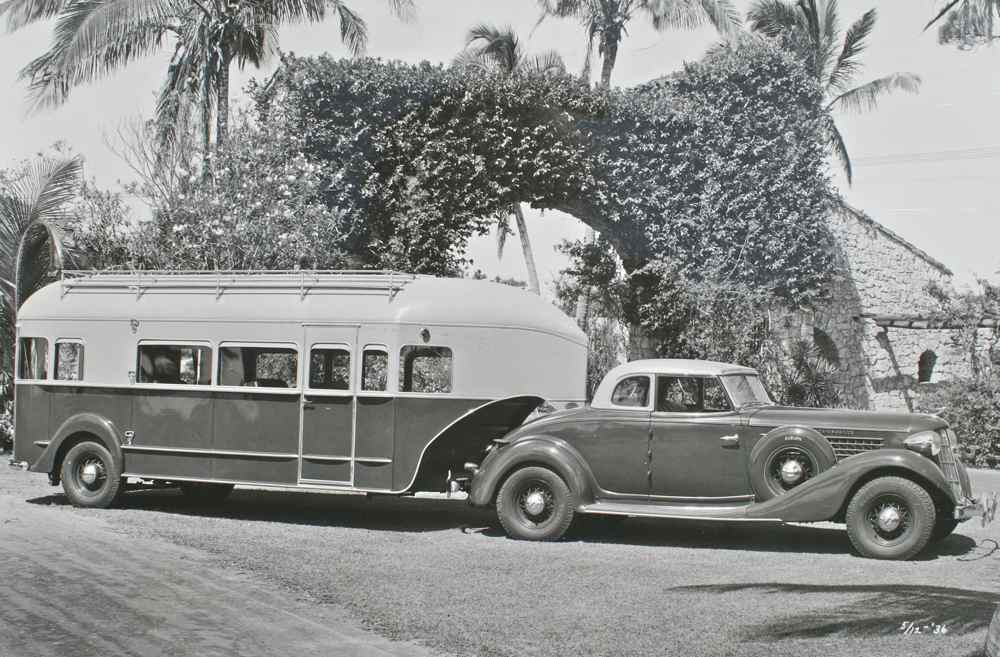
[
  {"x": 890, "y": 518},
  {"x": 535, "y": 504},
  {"x": 89, "y": 476},
  {"x": 781, "y": 462},
  {"x": 205, "y": 493}
]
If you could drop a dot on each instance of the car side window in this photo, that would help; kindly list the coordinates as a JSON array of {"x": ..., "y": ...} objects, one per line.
[
  {"x": 632, "y": 392},
  {"x": 690, "y": 394}
]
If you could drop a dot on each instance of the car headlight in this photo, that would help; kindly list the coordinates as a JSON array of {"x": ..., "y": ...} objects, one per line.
[{"x": 927, "y": 443}]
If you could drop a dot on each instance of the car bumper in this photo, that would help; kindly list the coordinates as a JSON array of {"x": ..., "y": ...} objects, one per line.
[
  {"x": 969, "y": 509},
  {"x": 20, "y": 465}
]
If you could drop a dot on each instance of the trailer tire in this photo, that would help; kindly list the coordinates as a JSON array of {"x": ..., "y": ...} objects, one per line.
[{"x": 89, "y": 476}]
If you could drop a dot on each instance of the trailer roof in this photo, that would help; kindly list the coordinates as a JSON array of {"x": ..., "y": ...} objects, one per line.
[{"x": 335, "y": 297}]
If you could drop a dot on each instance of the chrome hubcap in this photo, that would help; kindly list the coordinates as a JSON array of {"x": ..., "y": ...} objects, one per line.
[
  {"x": 534, "y": 503},
  {"x": 791, "y": 471},
  {"x": 90, "y": 474},
  {"x": 889, "y": 519}
]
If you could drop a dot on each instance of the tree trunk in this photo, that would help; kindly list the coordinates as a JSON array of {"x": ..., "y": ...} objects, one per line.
[
  {"x": 609, "y": 56},
  {"x": 529, "y": 256},
  {"x": 206, "y": 119},
  {"x": 222, "y": 100},
  {"x": 640, "y": 343},
  {"x": 583, "y": 301}
]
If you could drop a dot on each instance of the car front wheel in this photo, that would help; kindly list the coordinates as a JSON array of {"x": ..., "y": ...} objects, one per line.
[
  {"x": 890, "y": 518},
  {"x": 535, "y": 504}
]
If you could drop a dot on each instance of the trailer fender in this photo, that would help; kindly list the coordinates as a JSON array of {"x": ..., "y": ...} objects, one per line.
[{"x": 96, "y": 427}]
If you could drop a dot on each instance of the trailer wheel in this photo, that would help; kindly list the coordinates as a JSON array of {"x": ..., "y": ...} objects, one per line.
[
  {"x": 89, "y": 476},
  {"x": 890, "y": 518},
  {"x": 205, "y": 493},
  {"x": 535, "y": 504}
]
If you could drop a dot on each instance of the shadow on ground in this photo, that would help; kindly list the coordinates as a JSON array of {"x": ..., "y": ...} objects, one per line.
[
  {"x": 873, "y": 610},
  {"x": 408, "y": 514}
]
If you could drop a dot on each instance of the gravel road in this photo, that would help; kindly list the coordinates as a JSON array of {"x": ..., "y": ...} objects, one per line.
[{"x": 297, "y": 574}]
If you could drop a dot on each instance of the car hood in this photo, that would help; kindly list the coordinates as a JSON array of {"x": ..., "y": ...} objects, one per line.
[{"x": 840, "y": 418}]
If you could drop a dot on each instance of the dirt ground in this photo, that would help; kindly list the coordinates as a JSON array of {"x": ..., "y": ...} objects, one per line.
[{"x": 298, "y": 574}]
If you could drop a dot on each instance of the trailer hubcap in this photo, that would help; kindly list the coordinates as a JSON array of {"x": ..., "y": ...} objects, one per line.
[{"x": 89, "y": 474}]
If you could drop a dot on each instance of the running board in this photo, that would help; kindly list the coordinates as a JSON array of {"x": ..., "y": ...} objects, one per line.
[{"x": 687, "y": 511}]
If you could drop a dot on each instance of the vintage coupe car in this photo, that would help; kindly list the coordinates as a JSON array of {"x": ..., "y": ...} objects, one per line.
[{"x": 704, "y": 440}]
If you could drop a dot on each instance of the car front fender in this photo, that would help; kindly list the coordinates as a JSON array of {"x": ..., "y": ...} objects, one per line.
[
  {"x": 101, "y": 428},
  {"x": 540, "y": 450},
  {"x": 823, "y": 496}
]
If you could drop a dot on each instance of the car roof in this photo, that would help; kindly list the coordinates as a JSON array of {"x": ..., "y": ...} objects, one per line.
[
  {"x": 664, "y": 366},
  {"x": 679, "y": 366}
]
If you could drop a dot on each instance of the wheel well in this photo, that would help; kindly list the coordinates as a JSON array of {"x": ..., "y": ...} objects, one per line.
[
  {"x": 525, "y": 464},
  {"x": 71, "y": 441},
  {"x": 940, "y": 499}
]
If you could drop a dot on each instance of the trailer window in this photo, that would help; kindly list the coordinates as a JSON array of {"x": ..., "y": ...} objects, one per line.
[
  {"x": 425, "y": 369},
  {"x": 33, "y": 363},
  {"x": 259, "y": 367},
  {"x": 69, "y": 360},
  {"x": 175, "y": 364},
  {"x": 330, "y": 368},
  {"x": 374, "y": 370}
]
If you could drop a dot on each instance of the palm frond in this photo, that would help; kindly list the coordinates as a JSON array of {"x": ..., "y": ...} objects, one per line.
[
  {"x": 544, "y": 63},
  {"x": 951, "y": 4},
  {"x": 866, "y": 96},
  {"x": 839, "y": 149},
  {"x": 24, "y": 12},
  {"x": 774, "y": 17},
  {"x": 404, "y": 10},
  {"x": 691, "y": 14},
  {"x": 847, "y": 65},
  {"x": 353, "y": 29},
  {"x": 497, "y": 45},
  {"x": 93, "y": 38},
  {"x": 564, "y": 8}
]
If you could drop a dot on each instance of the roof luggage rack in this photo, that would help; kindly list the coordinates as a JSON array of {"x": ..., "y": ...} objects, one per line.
[{"x": 301, "y": 281}]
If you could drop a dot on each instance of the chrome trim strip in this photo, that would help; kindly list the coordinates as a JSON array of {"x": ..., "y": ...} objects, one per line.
[
  {"x": 340, "y": 487},
  {"x": 193, "y": 451},
  {"x": 374, "y": 459},
  {"x": 42, "y": 443},
  {"x": 317, "y": 457}
]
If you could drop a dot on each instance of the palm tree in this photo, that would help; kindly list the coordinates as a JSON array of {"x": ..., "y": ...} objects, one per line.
[
  {"x": 811, "y": 28},
  {"x": 95, "y": 38},
  {"x": 490, "y": 48},
  {"x": 606, "y": 22},
  {"x": 968, "y": 23},
  {"x": 34, "y": 211}
]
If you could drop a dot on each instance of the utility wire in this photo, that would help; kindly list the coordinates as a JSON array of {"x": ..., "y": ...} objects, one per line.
[{"x": 957, "y": 155}]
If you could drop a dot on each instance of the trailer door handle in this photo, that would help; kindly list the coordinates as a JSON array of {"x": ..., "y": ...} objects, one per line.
[
  {"x": 731, "y": 441},
  {"x": 307, "y": 405}
]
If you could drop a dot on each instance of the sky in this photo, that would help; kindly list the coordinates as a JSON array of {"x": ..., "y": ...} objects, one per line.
[{"x": 927, "y": 166}]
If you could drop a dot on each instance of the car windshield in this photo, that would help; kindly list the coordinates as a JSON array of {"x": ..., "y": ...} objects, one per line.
[{"x": 746, "y": 390}]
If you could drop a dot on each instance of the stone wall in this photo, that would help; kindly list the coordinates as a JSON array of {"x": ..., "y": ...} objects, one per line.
[{"x": 880, "y": 273}]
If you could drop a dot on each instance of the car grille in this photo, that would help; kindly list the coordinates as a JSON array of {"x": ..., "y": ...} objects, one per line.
[
  {"x": 844, "y": 446},
  {"x": 946, "y": 459}
]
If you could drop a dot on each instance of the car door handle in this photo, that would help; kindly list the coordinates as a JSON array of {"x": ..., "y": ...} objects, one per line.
[{"x": 731, "y": 441}]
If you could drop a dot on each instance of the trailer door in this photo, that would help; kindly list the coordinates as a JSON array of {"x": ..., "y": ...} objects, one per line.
[{"x": 329, "y": 405}]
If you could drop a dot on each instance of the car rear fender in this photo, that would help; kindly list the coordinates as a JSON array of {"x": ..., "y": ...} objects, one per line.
[
  {"x": 77, "y": 427},
  {"x": 537, "y": 450},
  {"x": 824, "y": 496}
]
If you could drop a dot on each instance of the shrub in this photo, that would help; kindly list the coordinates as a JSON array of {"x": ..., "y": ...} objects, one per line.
[
  {"x": 972, "y": 408},
  {"x": 6, "y": 428}
]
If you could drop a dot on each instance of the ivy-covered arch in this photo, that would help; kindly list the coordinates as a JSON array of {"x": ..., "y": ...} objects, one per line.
[{"x": 720, "y": 164}]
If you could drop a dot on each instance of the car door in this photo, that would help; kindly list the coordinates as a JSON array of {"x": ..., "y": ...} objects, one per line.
[
  {"x": 615, "y": 441},
  {"x": 698, "y": 454}
]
